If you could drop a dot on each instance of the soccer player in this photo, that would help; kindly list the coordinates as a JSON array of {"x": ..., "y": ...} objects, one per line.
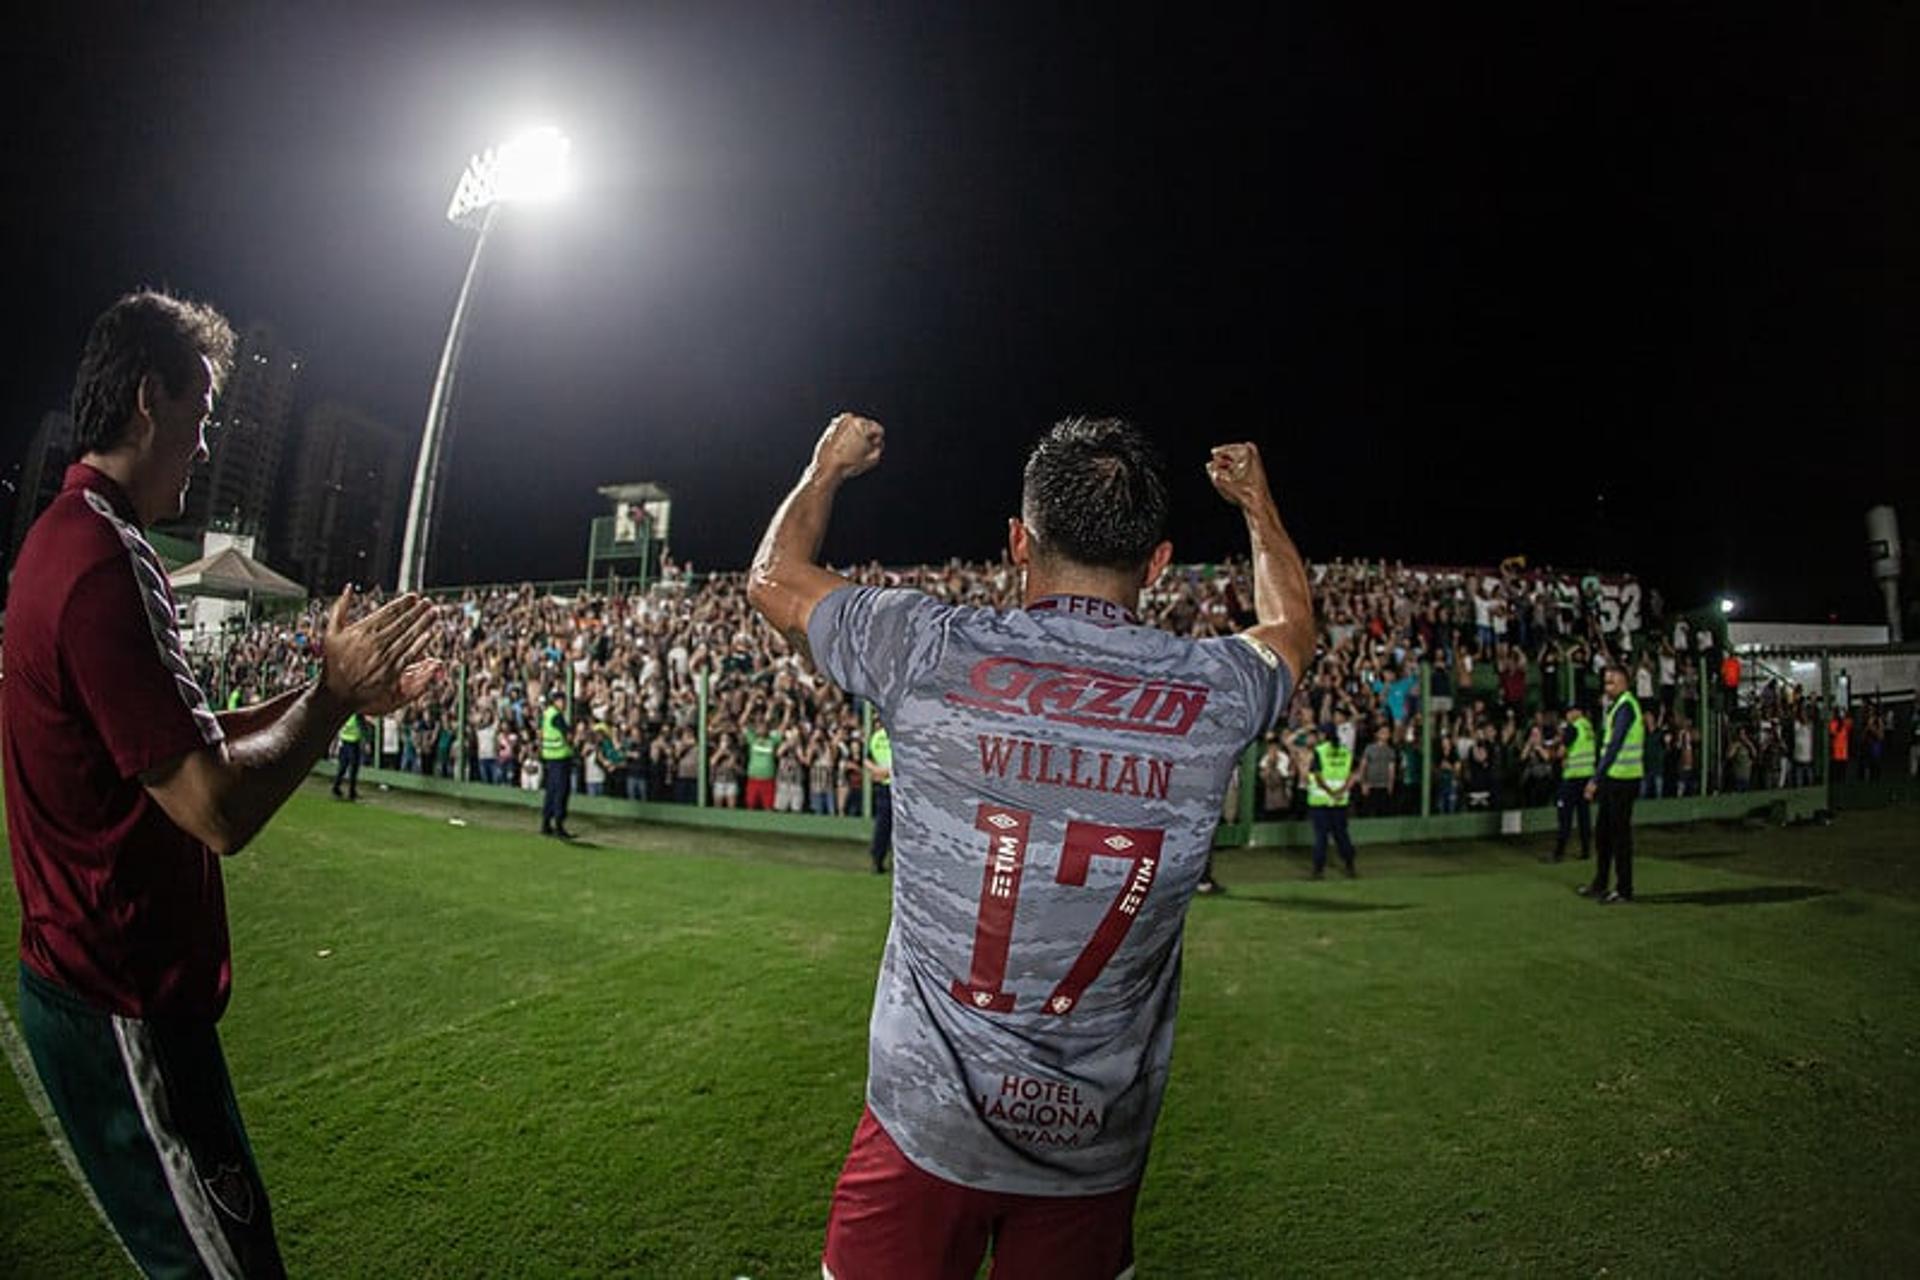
[
  {"x": 124, "y": 789},
  {"x": 1058, "y": 771}
]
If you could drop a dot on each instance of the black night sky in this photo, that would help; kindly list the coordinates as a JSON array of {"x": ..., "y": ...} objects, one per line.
[{"x": 1619, "y": 286}]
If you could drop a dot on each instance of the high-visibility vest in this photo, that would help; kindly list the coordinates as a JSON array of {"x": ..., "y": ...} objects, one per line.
[
  {"x": 1630, "y": 763},
  {"x": 1336, "y": 765},
  {"x": 1839, "y": 731},
  {"x": 1580, "y": 753},
  {"x": 553, "y": 743},
  {"x": 880, "y": 747},
  {"x": 350, "y": 731}
]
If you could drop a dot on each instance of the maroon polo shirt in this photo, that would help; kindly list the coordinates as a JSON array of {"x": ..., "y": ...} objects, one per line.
[{"x": 118, "y": 904}]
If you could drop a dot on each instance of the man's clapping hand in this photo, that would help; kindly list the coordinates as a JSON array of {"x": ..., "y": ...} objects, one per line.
[{"x": 378, "y": 664}]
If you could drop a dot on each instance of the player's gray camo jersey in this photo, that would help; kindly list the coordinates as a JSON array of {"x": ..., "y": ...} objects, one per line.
[{"x": 1057, "y": 781}]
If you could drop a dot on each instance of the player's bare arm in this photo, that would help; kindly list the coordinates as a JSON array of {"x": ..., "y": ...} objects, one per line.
[
  {"x": 241, "y": 721},
  {"x": 225, "y": 793},
  {"x": 1282, "y": 598},
  {"x": 786, "y": 580}
]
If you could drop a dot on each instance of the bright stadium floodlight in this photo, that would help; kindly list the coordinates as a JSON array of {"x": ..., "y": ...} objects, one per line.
[
  {"x": 1727, "y": 606},
  {"x": 529, "y": 168}
]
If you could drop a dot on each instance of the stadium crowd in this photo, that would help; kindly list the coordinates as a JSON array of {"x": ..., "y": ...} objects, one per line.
[{"x": 1511, "y": 649}]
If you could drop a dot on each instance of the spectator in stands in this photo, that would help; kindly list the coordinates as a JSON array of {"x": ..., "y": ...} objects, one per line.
[
  {"x": 1513, "y": 680},
  {"x": 1654, "y": 782},
  {"x": 1686, "y": 750},
  {"x": 1446, "y": 786},
  {"x": 1803, "y": 731},
  {"x": 1840, "y": 743},
  {"x": 1536, "y": 763},
  {"x": 1873, "y": 738},
  {"x": 686, "y": 768},
  {"x": 763, "y": 746},
  {"x": 1412, "y": 768},
  {"x": 1276, "y": 778},
  {"x": 486, "y": 750},
  {"x": 443, "y": 743},
  {"x": 823, "y": 772},
  {"x": 1402, "y": 693},
  {"x": 593, "y": 769},
  {"x": 789, "y": 790},
  {"x": 1480, "y": 782},
  {"x": 1379, "y": 769},
  {"x": 724, "y": 772},
  {"x": 1742, "y": 756}
]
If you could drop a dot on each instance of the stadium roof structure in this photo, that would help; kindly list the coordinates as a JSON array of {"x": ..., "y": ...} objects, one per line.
[
  {"x": 641, "y": 491},
  {"x": 229, "y": 574}
]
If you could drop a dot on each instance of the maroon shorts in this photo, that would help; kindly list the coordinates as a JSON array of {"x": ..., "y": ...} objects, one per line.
[
  {"x": 760, "y": 793},
  {"x": 892, "y": 1220}
]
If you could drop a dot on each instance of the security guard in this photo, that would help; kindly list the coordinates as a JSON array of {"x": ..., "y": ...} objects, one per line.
[
  {"x": 880, "y": 769},
  {"x": 556, "y": 765},
  {"x": 347, "y": 768},
  {"x": 1576, "y": 770},
  {"x": 1617, "y": 782},
  {"x": 1327, "y": 786}
]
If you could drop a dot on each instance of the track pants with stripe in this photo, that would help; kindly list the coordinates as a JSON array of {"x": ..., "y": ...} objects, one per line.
[{"x": 149, "y": 1111}]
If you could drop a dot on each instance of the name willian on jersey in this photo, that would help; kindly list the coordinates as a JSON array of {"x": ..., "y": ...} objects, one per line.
[{"x": 1082, "y": 697}]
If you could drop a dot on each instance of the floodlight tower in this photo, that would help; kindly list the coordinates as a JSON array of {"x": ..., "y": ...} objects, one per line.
[
  {"x": 530, "y": 168},
  {"x": 1883, "y": 549}
]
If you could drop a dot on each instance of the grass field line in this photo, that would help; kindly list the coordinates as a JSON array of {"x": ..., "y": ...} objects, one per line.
[{"x": 21, "y": 1061}]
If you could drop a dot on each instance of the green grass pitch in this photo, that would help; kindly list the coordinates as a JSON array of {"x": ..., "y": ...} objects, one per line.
[{"x": 465, "y": 1051}]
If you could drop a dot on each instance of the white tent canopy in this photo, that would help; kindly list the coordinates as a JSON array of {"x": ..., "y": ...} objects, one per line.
[{"x": 230, "y": 574}]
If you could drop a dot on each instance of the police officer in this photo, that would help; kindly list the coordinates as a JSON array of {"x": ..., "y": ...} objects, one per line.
[
  {"x": 1616, "y": 781},
  {"x": 1576, "y": 770},
  {"x": 556, "y": 765},
  {"x": 1327, "y": 786},
  {"x": 347, "y": 768}
]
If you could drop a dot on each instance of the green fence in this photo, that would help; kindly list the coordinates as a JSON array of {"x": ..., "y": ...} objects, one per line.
[{"x": 1771, "y": 806}]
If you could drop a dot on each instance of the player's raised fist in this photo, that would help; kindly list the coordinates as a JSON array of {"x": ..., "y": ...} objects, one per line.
[
  {"x": 850, "y": 445},
  {"x": 1236, "y": 472}
]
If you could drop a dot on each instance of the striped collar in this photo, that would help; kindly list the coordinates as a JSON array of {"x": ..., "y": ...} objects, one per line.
[{"x": 81, "y": 476}]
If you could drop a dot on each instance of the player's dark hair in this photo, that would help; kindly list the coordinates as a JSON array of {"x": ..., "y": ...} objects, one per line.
[
  {"x": 1620, "y": 669},
  {"x": 146, "y": 332},
  {"x": 1095, "y": 493}
]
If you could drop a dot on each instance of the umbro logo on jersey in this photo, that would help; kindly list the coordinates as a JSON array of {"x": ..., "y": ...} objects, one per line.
[{"x": 1077, "y": 695}]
